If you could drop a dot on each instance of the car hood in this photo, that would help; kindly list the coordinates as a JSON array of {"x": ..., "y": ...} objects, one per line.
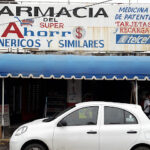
[
  {"x": 38, "y": 121},
  {"x": 33, "y": 123}
]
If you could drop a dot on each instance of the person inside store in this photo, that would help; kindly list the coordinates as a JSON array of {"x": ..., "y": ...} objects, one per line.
[{"x": 147, "y": 105}]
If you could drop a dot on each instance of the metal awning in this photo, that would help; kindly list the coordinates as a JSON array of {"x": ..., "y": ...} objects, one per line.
[{"x": 75, "y": 67}]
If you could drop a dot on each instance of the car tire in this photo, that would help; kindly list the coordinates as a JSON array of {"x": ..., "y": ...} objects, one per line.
[
  {"x": 142, "y": 148},
  {"x": 35, "y": 146}
]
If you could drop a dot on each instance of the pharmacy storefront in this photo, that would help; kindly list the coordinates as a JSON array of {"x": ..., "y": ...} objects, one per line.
[
  {"x": 55, "y": 68},
  {"x": 37, "y": 85}
]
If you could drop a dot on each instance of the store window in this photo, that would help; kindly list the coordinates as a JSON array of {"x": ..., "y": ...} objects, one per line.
[
  {"x": 113, "y": 115},
  {"x": 83, "y": 116}
]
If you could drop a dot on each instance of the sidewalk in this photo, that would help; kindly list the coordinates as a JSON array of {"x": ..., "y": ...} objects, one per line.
[
  {"x": 8, "y": 131},
  {"x": 4, "y": 144}
]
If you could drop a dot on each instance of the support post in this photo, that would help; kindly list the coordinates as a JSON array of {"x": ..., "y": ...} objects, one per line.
[
  {"x": 3, "y": 105},
  {"x": 136, "y": 91}
]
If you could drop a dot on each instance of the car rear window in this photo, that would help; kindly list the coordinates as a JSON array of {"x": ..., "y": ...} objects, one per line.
[{"x": 114, "y": 115}]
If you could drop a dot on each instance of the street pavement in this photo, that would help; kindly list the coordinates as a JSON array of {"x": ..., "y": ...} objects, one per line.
[{"x": 4, "y": 145}]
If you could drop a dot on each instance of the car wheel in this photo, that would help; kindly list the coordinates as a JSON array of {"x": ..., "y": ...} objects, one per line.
[
  {"x": 35, "y": 146},
  {"x": 142, "y": 148}
]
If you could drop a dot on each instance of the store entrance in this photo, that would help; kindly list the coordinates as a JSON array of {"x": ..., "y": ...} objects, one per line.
[
  {"x": 111, "y": 91},
  {"x": 24, "y": 99},
  {"x": 27, "y": 97},
  {"x": 13, "y": 97}
]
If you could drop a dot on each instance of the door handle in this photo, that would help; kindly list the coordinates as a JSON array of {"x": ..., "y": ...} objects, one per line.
[
  {"x": 91, "y": 132},
  {"x": 132, "y": 132}
]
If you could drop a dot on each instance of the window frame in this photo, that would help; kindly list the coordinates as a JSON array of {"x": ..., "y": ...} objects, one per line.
[
  {"x": 124, "y": 110},
  {"x": 98, "y": 108}
]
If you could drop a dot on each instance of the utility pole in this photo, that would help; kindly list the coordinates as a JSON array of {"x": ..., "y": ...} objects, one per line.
[{"x": 3, "y": 86}]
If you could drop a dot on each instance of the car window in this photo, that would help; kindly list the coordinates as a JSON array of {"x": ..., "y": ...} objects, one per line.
[
  {"x": 130, "y": 118},
  {"x": 83, "y": 116},
  {"x": 113, "y": 115}
]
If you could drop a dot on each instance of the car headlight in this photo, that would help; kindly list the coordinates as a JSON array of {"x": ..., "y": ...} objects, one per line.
[{"x": 21, "y": 130}]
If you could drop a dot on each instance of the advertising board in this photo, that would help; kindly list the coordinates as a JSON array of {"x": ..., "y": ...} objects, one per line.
[
  {"x": 75, "y": 26},
  {"x": 6, "y": 115}
]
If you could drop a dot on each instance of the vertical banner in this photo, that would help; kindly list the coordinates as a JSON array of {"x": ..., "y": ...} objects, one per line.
[
  {"x": 74, "y": 92},
  {"x": 6, "y": 115}
]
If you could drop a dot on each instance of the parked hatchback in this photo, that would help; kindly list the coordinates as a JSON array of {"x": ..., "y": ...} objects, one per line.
[{"x": 87, "y": 126}]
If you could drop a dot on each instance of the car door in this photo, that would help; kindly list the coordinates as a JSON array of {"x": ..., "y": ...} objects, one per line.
[
  {"x": 120, "y": 129},
  {"x": 78, "y": 131}
]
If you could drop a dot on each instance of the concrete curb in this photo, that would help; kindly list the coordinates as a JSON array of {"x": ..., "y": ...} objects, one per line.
[
  {"x": 4, "y": 141},
  {"x": 4, "y": 144}
]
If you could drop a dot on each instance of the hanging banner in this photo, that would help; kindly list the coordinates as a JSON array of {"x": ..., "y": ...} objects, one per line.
[
  {"x": 6, "y": 115},
  {"x": 75, "y": 26}
]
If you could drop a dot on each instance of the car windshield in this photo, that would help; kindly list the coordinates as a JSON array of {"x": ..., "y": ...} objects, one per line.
[{"x": 50, "y": 118}]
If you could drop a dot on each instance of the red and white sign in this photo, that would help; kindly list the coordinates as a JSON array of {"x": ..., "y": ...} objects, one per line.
[{"x": 75, "y": 27}]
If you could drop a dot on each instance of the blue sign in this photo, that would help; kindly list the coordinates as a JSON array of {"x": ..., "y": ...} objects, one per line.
[{"x": 133, "y": 39}]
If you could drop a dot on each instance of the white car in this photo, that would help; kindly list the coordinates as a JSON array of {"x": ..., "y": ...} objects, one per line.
[{"x": 87, "y": 126}]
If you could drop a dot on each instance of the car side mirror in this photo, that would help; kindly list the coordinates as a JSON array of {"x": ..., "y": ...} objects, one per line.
[{"x": 62, "y": 123}]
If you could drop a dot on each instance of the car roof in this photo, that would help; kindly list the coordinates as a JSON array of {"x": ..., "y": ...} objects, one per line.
[
  {"x": 108, "y": 104},
  {"x": 133, "y": 108}
]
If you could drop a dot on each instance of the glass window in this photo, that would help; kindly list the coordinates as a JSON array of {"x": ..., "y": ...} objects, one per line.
[
  {"x": 113, "y": 115},
  {"x": 129, "y": 118},
  {"x": 83, "y": 116}
]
